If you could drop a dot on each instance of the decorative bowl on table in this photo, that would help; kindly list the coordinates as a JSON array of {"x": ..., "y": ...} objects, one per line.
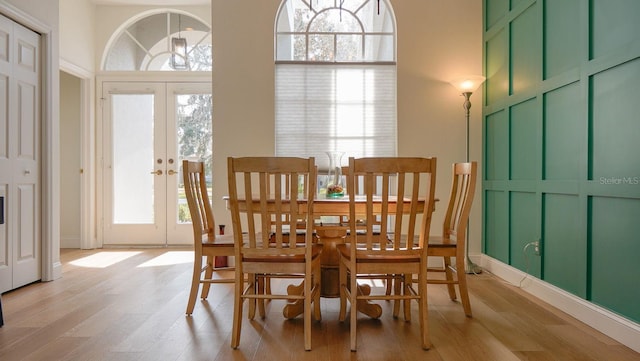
[{"x": 335, "y": 191}]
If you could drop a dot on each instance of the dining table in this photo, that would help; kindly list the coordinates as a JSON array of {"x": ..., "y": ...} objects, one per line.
[{"x": 329, "y": 214}]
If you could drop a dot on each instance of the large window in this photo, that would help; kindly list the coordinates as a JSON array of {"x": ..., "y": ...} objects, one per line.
[{"x": 335, "y": 78}]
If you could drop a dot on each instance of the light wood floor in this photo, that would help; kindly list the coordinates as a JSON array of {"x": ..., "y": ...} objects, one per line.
[{"x": 132, "y": 306}]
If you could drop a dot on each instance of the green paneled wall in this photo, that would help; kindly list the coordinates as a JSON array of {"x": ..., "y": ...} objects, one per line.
[
  {"x": 614, "y": 254},
  {"x": 562, "y": 144},
  {"x": 565, "y": 243},
  {"x": 497, "y": 225},
  {"x": 497, "y": 145},
  {"x": 563, "y": 120},
  {"x": 526, "y": 58},
  {"x": 523, "y": 157},
  {"x": 523, "y": 229},
  {"x": 562, "y": 51},
  {"x": 497, "y": 67},
  {"x": 616, "y": 121}
]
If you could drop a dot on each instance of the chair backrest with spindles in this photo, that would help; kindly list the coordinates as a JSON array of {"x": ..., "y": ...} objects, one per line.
[
  {"x": 265, "y": 208},
  {"x": 463, "y": 187},
  {"x": 401, "y": 209},
  {"x": 196, "y": 192}
]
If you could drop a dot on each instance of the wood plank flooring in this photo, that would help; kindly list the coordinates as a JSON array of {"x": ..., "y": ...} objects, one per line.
[{"x": 128, "y": 304}]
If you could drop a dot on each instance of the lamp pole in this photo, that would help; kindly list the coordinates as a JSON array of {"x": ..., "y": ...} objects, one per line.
[
  {"x": 467, "y": 107},
  {"x": 471, "y": 267},
  {"x": 466, "y": 85}
]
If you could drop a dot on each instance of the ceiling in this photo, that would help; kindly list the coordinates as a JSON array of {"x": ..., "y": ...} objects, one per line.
[{"x": 152, "y": 2}]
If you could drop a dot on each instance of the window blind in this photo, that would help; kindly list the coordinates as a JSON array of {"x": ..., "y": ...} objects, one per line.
[{"x": 349, "y": 108}]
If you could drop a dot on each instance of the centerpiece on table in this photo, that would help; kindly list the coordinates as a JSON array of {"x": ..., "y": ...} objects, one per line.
[{"x": 335, "y": 186}]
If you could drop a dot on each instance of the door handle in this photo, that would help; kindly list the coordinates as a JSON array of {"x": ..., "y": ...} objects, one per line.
[
  {"x": 171, "y": 172},
  {"x": 158, "y": 172}
]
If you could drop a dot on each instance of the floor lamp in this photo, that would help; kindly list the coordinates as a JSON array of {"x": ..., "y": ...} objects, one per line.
[{"x": 466, "y": 86}]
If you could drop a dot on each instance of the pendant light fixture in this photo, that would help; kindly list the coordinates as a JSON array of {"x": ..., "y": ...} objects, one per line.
[{"x": 179, "y": 60}]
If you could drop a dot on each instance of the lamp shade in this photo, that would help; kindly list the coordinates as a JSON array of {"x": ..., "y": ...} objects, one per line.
[{"x": 467, "y": 84}]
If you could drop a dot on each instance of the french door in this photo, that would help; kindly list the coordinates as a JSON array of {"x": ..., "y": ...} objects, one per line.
[{"x": 148, "y": 129}]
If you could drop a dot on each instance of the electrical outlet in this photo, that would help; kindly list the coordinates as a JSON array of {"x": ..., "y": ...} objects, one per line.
[{"x": 536, "y": 247}]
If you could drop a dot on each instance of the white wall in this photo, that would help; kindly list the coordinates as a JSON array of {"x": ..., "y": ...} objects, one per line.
[
  {"x": 77, "y": 33},
  {"x": 437, "y": 41}
]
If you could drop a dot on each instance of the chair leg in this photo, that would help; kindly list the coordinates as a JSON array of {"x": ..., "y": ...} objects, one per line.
[
  {"x": 449, "y": 275},
  {"x": 354, "y": 309},
  {"x": 406, "y": 281},
  {"x": 261, "y": 290},
  {"x": 195, "y": 284},
  {"x": 317, "y": 284},
  {"x": 462, "y": 285},
  {"x": 208, "y": 274},
  {"x": 253, "y": 284},
  {"x": 267, "y": 287},
  {"x": 423, "y": 310},
  {"x": 343, "y": 294},
  {"x": 307, "y": 313},
  {"x": 397, "y": 288},
  {"x": 353, "y": 297},
  {"x": 389, "y": 285},
  {"x": 237, "y": 311}
]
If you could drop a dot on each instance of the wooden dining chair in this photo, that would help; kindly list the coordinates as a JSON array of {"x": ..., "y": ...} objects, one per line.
[
  {"x": 404, "y": 208},
  {"x": 454, "y": 231},
  {"x": 261, "y": 218},
  {"x": 205, "y": 242}
]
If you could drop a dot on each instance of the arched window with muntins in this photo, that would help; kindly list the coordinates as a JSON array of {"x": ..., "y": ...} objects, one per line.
[
  {"x": 335, "y": 78},
  {"x": 160, "y": 41},
  {"x": 335, "y": 31}
]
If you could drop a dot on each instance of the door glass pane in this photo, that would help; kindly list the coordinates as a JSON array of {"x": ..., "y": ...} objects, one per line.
[
  {"x": 194, "y": 138},
  {"x": 133, "y": 183}
]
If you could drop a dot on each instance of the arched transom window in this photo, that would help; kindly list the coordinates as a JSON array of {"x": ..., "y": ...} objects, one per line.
[
  {"x": 335, "y": 78},
  {"x": 343, "y": 31},
  {"x": 161, "y": 41}
]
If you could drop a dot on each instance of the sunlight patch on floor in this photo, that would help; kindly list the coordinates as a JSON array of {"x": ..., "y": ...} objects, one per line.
[
  {"x": 170, "y": 258},
  {"x": 103, "y": 259}
]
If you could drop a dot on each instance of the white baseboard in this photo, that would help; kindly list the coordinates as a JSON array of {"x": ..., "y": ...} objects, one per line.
[
  {"x": 69, "y": 242},
  {"x": 619, "y": 328}
]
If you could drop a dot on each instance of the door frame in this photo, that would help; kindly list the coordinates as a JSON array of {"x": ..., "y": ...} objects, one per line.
[
  {"x": 87, "y": 148},
  {"x": 148, "y": 77}
]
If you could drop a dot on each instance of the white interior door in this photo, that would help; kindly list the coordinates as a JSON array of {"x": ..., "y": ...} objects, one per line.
[
  {"x": 148, "y": 129},
  {"x": 20, "y": 242}
]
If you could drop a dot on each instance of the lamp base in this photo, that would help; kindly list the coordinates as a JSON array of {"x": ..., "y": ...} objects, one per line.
[{"x": 472, "y": 268}]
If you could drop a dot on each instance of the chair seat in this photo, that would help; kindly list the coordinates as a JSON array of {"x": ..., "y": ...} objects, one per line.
[
  {"x": 226, "y": 240},
  {"x": 440, "y": 242},
  {"x": 345, "y": 251},
  {"x": 316, "y": 249},
  {"x": 436, "y": 242},
  {"x": 218, "y": 241}
]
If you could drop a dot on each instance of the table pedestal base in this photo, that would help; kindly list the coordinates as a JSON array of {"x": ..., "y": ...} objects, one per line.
[
  {"x": 295, "y": 308},
  {"x": 330, "y": 235}
]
